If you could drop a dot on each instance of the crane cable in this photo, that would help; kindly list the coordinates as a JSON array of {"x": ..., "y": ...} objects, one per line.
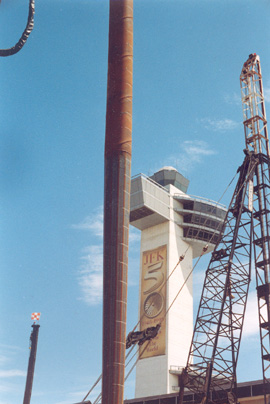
[
  {"x": 170, "y": 306},
  {"x": 182, "y": 286},
  {"x": 100, "y": 377},
  {"x": 133, "y": 366},
  {"x": 142, "y": 316},
  {"x": 181, "y": 258},
  {"x": 29, "y": 27}
]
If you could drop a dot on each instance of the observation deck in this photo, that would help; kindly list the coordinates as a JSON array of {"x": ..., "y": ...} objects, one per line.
[
  {"x": 163, "y": 197},
  {"x": 202, "y": 219}
]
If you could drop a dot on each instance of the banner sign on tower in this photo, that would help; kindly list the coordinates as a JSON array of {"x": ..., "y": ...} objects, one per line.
[{"x": 153, "y": 299}]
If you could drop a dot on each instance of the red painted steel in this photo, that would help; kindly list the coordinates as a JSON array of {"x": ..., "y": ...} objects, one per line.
[{"x": 117, "y": 198}]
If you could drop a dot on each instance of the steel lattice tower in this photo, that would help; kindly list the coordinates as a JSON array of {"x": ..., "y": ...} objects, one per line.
[{"x": 211, "y": 369}]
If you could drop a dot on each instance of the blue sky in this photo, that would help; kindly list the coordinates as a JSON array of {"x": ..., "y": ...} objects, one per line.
[{"x": 187, "y": 112}]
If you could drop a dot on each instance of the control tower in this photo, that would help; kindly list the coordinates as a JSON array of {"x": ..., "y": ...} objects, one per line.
[{"x": 172, "y": 224}]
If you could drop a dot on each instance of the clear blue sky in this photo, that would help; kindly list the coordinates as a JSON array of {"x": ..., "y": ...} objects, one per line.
[{"x": 187, "y": 112}]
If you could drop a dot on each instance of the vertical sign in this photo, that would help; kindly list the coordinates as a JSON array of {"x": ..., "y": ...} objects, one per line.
[{"x": 153, "y": 299}]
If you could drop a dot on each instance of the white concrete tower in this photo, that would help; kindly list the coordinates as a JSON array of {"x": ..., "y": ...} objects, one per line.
[{"x": 172, "y": 223}]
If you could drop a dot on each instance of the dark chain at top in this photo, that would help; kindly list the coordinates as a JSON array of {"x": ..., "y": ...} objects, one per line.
[{"x": 30, "y": 25}]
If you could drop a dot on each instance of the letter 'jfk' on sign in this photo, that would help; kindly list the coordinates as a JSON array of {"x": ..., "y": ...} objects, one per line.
[{"x": 153, "y": 299}]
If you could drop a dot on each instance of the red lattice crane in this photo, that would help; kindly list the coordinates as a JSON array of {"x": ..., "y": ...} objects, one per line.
[{"x": 210, "y": 374}]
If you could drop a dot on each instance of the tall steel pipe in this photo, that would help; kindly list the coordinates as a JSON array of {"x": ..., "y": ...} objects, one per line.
[
  {"x": 31, "y": 364},
  {"x": 117, "y": 198}
]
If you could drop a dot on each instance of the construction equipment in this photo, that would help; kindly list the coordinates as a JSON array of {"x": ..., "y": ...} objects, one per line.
[{"x": 210, "y": 373}]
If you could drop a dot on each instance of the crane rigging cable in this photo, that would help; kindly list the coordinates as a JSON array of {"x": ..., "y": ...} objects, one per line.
[
  {"x": 182, "y": 286},
  {"x": 100, "y": 376},
  {"x": 176, "y": 296},
  {"x": 139, "y": 356},
  {"x": 170, "y": 306},
  {"x": 126, "y": 377},
  {"x": 25, "y": 35}
]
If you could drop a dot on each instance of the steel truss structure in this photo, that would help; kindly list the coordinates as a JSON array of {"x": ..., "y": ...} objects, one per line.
[{"x": 211, "y": 368}]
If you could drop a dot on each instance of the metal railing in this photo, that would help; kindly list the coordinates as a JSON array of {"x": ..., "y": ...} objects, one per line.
[
  {"x": 200, "y": 199},
  {"x": 150, "y": 180}
]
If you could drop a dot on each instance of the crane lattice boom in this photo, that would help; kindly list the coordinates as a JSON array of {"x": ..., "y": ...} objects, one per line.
[{"x": 211, "y": 368}]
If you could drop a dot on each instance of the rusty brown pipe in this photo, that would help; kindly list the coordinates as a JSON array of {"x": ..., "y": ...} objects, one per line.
[
  {"x": 117, "y": 198},
  {"x": 31, "y": 364}
]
